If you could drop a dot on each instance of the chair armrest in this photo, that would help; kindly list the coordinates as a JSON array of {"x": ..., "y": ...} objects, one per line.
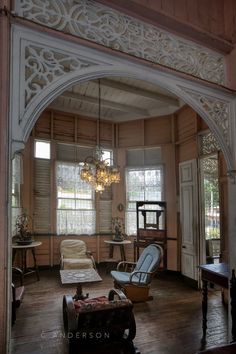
[
  {"x": 125, "y": 264},
  {"x": 139, "y": 273},
  {"x": 116, "y": 292},
  {"x": 61, "y": 261},
  {"x": 90, "y": 255},
  {"x": 69, "y": 314}
]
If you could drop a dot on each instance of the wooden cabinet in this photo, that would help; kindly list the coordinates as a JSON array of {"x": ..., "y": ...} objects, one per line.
[{"x": 151, "y": 227}]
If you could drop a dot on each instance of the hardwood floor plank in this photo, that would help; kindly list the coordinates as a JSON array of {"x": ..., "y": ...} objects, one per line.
[{"x": 171, "y": 323}]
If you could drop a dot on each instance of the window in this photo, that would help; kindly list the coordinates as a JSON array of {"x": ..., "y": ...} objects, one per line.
[
  {"x": 75, "y": 201},
  {"x": 42, "y": 149},
  {"x": 145, "y": 183}
]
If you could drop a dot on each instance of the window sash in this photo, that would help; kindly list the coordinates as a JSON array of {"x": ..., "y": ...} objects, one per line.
[{"x": 75, "y": 201}]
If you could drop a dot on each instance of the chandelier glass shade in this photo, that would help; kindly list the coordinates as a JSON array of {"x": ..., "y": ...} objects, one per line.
[{"x": 99, "y": 172}]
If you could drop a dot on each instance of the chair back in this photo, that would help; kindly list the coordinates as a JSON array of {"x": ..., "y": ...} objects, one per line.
[
  {"x": 149, "y": 261},
  {"x": 73, "y": 248}
]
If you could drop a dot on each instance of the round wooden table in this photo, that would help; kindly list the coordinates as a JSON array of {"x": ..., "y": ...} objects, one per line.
[
  {"x": 121, "y": 244},
  {"x": 23, "y": 249}
]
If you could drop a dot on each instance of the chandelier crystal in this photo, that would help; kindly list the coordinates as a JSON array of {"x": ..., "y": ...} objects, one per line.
[{"x": 96, "y": 171}]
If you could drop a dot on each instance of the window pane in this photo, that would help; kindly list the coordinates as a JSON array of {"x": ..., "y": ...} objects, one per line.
[
  {"x": 66, "y": 203},
  {"x": 74, "y": 222},
  {"x": 75, "y": 201},
  {"x": 42, "y": 149}
]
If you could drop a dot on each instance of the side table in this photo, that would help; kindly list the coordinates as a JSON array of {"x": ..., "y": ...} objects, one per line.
[
  {"x": 121, "y": 244},
  {"x": 23, "y": 249}
]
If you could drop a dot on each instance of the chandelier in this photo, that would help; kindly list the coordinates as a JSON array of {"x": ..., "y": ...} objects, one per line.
[{"x": 96, "y": 171}]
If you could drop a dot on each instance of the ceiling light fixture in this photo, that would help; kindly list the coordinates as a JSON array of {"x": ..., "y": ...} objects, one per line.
[{"x": 96, "y": 171}]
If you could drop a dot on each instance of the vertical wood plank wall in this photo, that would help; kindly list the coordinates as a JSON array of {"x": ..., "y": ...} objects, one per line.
[
  {"x": 177, "y": 136},
  {"x": 214, "y": 17}
]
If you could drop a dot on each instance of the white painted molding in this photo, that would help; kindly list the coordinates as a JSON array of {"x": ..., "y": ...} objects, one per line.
[{"x": 95, "y": 22}]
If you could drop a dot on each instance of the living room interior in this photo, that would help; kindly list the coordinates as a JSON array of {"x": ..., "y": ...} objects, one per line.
[
  {"x": 163, "y": 116},
  {"x": 162, "y": 142}
]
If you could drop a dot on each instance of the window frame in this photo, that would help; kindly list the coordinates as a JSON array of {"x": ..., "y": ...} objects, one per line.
[
  {"x": 157, "y": 167},
  {"x": 77, "y": 166}
]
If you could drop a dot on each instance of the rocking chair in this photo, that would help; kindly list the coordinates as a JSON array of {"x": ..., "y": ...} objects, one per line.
[{"x": 136, "y": 284}]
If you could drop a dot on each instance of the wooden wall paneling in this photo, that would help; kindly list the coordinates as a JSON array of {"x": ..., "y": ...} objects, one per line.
[
  {"x": 52, "y": 124},
  {"x": 157, "y": 131},
  {"x": 106, "y": 134},
  {"x": 230, "y": 16},
  {"x": 191, "y": 7},
  {"x": 86, "y": 131},
  {"x": 172, "y": 255},
  {"x": 217, "y": 12},
  {"x": 63, "y": 127},
  {"x": 143, "y": 130},
  {"x": 180, "y": 10},
  {"x": 130, "y": 134},
  {"x": 201, "y": 124},
  {"x": 42, "y": 128},
  {"x": 76, "y": 129},
  {"x": 56, "y": 248},
  {"x": 168, "y": 7},
  {"x": 118, "y": 190},
  {"x": 186, "y": 123},
  {"x": 200, "y": 20},
  {"x": 188, "y": 150},
  {"x": 168, "y": 156},
  {"x": 43, "y": 252}
]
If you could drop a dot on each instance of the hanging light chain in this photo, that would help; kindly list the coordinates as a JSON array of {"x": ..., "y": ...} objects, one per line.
[{"x": 97, "y": 171}]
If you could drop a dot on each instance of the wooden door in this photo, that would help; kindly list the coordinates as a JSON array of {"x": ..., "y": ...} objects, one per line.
[{"x": 189, "y": 218}]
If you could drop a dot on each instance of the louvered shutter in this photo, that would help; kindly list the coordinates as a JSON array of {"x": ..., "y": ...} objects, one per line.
[
  {"x": 42, "y": 196},
  {"x": 105, "y": 208}
]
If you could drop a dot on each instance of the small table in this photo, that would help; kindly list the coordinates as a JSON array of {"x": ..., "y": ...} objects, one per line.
[
  {"x": 79, "y": 276},
  {"x": 213, "y": 273},
  {"x": 23, "y": 249},
  {"x": 121, "y": 244}
]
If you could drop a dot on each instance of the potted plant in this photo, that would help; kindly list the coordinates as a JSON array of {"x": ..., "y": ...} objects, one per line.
[
  {"x": 118, "y": 229},
  {"x": 23, "y": 235}
]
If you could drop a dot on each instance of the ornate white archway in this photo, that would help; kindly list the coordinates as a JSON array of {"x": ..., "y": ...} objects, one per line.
[{"x": 44, "y": 67}]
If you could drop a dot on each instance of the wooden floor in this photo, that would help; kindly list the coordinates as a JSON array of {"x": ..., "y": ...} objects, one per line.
[{"x": 171, "y": 323}]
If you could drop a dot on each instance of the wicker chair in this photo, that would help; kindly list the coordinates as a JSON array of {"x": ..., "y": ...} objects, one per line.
[{"x": 74, "y": 255}]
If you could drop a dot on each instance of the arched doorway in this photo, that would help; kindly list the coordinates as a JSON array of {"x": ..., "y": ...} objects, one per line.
[{"x": 211, "y": 104}]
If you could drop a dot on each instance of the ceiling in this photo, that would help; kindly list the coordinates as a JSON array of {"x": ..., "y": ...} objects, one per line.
[{"x": 122, "y": 99}]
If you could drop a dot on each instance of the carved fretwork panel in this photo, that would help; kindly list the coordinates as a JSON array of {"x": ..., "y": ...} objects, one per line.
[
  {"x": 208, "y": 144},
  {"x": 95, "y": 22},
  {"x": 215, "y": 108},
  {"x": 44, "y": 65}
]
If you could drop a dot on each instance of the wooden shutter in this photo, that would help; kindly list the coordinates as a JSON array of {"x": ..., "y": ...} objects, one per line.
[
  {"x": 105, "y": 210},
  {"x": 42, "y": 196}
]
